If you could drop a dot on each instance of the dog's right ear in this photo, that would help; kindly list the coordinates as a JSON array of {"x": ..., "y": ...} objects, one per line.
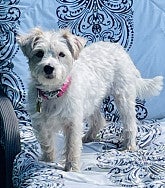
[
  {"x": 27, "y": 42},
  {"x": 75, "y": 43}
]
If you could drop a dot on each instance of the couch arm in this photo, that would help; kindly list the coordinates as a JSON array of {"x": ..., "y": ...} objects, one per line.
[{"x": 9, "y": 140}]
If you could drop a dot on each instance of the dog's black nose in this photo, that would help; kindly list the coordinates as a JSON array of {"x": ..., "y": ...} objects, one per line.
[{"x": 48, "y": 69}]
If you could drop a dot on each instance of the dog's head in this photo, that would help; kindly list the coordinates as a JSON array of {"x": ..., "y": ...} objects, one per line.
[{"x": 50, "y": 54}]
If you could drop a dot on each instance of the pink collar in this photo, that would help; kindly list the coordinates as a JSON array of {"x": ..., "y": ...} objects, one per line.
[
  {"x": 64, "y": 87},
  {"x": 54, "y": 94}
]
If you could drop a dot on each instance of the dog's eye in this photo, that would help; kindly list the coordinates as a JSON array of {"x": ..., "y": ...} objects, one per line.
[
  {"x": 39, "y": 54},
  {"x": 61, "y": 54}
]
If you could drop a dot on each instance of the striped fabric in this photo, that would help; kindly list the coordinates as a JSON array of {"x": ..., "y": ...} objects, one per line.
[{"x": 9, "y": 140}]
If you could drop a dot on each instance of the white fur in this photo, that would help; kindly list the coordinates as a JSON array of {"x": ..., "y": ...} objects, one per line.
[{"x": 96, "y": 71}]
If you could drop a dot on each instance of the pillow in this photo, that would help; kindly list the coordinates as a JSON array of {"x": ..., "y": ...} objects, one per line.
[
  {"x": 126, "y": 22},
  {"x": 147, "y": 51}
]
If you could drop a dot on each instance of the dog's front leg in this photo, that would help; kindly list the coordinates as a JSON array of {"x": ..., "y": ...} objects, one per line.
[
  {"x": 45, "y": 136},
  {"x": 47, "y": 146},
  {"x": 73, "y": 140}
]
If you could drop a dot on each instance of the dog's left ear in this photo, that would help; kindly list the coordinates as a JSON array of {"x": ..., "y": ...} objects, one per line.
[{"x": 75, "y": 43}]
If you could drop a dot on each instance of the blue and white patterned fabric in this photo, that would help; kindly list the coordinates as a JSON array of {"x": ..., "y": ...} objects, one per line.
[{"x": 139, "y": 26}]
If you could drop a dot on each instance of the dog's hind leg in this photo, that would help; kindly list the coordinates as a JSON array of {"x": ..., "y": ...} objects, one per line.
[
  {"x": 125, "y": 102},
  {"x": 96, "y": 121}
]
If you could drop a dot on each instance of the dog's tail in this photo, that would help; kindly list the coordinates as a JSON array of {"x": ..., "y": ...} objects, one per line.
[{"x": 149, "y": 87}]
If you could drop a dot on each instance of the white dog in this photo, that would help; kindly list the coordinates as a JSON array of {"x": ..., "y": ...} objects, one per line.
[{"x": 69, "y": 83}]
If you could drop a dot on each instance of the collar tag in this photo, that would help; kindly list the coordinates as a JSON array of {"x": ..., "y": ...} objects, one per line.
[
  {"x": 39, "y": 103},
  {"x": 38, "y": 106}
]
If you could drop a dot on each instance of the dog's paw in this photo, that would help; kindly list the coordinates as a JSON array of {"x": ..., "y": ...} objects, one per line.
[
  {"x": 128, "y": 147},
  {"x": 87, "y": 138},
  {"x": 71, "y": 167},
  {"x": 68, "y": 166},
  {"x": 132, "y": 147},
  {"x": 48, "y": 157}
]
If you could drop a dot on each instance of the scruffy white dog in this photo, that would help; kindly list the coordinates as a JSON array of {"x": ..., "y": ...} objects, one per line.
[{"x": 69, "y": 83}]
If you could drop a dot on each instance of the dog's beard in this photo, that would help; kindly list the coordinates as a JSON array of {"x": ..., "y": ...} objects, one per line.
[{"x": 49, "y": 82}]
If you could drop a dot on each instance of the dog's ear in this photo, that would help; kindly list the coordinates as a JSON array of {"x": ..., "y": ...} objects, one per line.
[
  {"x": 27, "y": 42},
  {"x": 75, "y": 43}
]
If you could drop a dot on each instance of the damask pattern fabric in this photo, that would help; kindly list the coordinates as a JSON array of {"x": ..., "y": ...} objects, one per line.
[
  {"x": 139, "y": 27},
  {"x": 98, "y": 20}
]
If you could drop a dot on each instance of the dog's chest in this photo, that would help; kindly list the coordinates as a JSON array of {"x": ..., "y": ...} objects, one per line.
[
  {"x": 56, "y": 108},
  {"x": 49, "y": 107}
]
